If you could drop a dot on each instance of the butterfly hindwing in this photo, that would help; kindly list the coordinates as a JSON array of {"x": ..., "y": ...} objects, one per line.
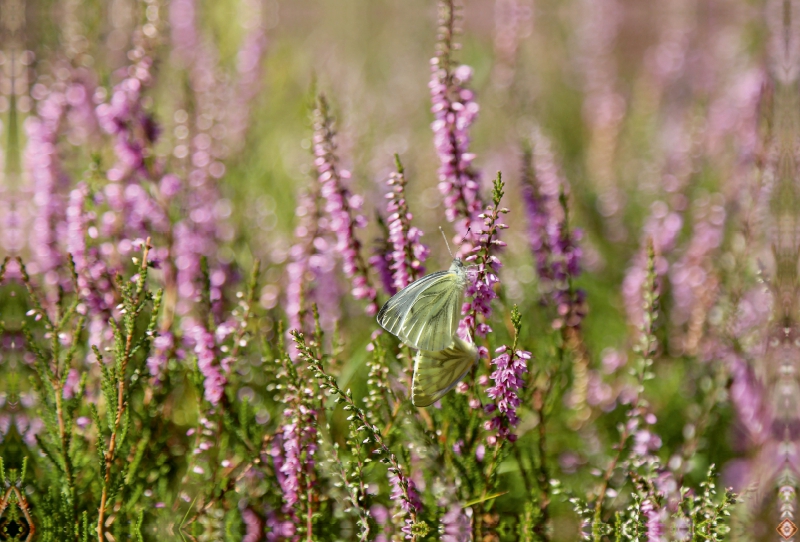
[
  {"x": 425, "y": 314},
  {"x": 435, "y": 373}
]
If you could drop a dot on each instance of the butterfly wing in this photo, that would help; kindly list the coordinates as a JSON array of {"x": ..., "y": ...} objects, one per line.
[
  {"x": 435, "y": 373},
  {"x": 425, "y": 314}
]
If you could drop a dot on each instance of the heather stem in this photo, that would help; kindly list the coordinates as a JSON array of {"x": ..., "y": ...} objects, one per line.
[
  {"x": 110, "y": 455},
  {"x": 328, "y": 383},
  {"x": 645, "y": 348}
]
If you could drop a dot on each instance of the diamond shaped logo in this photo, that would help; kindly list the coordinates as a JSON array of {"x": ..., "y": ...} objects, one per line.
[{"x": 786, "y": 529}]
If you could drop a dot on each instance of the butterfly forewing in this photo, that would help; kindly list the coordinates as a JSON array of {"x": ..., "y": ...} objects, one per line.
[
  {"x": 425, "y": 314},
  {"x": 435, "y": 373}
]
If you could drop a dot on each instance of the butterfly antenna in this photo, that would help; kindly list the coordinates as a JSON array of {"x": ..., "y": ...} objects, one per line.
[
  {"x": 465, "y": 236},
  {"x": 445, "y": 242}
]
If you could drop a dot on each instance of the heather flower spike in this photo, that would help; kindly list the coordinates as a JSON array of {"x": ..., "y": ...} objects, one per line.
[
  {"x": 510, "y": 367},
  {"x": 454, "y": 110},
  {"x": 342, "y": 207}
]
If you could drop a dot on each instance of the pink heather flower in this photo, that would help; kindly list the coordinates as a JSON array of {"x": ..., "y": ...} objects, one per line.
[
  {"x": 691, "y": 276},
  {"x": 409, "y": 503},
  {"x": 748, "y": 398},
  {"x": 252, "y": 524},
  {"x": 483, "y": 276},
  {"x": 298, "y": 445},
  {"x": 124, "y": 117},
  {"x": 205, "y": 350},
  {"x": 182, "y": 23},
  {"x": 408, "y": 253},
  {"x": 507, "y": 377},
  {"x": 290, "y": 469},
  {"x": 222, "y": 106},
  {"x": 663, "y": 228},
  {"x": 382, "y": 261},
  {"x": 406, "y": 504},
  {"x": 456, "y": 525},
  {"x": 555, "y": 247},
  {"x": 249, "y": 68},
  {"x": 76, "y": 231},
  {"x": 603, "y": 106},
  {"x": 645, "y": 442},
  {"x": 343, "y": 208},
  {"x": 72, "y": 383},
  {"x": 310, "y": 272},
  {"x": 157, "y": 362},
  {"x": 655, "y": 524},
  {"x": 41, "y": 162},
  {"x": 454, "y": 110},
  {"x": 512, "y": 22}
]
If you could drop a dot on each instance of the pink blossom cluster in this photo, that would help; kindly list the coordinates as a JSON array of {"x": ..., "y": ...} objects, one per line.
[
  {"x": 310, "y": 271},
  {"x": 408, "y": 501},
  {"x": 509, "y": 368},
  {"x": 454, "y": 110},
  {"x": 482, "y": 278},
  {"x": 163, "y": 346},
  {"x": 691, "y": 278},
  {"x": 456, "y": 525},
  {"x": 408, "y": 253},
  {"x": 554, "y": 245},
  {"x": 294, "y": 453},
  {"x": 205, "y": 348},
  {"x": 124, "y": 117},
  {"x": 343, "y": 208},
  {"x": 663, "y": 228},
  {"x": 46, "y": 176}
]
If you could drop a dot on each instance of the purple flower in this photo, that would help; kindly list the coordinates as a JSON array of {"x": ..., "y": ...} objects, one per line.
[
  {"x": 310, "y": 272},
  {"x": 405, "y": 494},
  {"x": 252, "y": 524},
  {"x": 645, "y": 442},
  {"x": 693, "y": 281},
  {"x": 77, "y": 225},
  {"x": 507, "y": 378},
  {"x": 182, "y": 22},
  {"x": 72, "y": 384},
  {"x": 291, "y": 467},
  {"x": 748, "y": 398},
  {"x": 603, "y": 106},
  {"x": 294, "y": 458},
  {"x": 382, "y": 260},
  {"x": 456, "y": 525},
  {"x": 407, "y": 504},
  {"x": 554, "y": 246},
  {"x": 162, "y": 347},
  {"x": 206, "y": 351},
  {"x": 124, "y": 117},
  {"x": 41, "y": 160},
  {"x": 483, "y": 276},
  {"x": 408, "y": 253},
  {"x": 343, "y": 208},
  {"x": 654, "y": 521},
  {"x": 662, "y": 227},
  {"x": 454, "y": 110}
]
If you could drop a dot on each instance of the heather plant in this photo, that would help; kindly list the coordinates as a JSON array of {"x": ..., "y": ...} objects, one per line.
[{"x": 204, "y": 206}]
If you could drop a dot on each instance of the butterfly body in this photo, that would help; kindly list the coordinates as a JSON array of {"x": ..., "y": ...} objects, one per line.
[{"x": 425, "y": 315}]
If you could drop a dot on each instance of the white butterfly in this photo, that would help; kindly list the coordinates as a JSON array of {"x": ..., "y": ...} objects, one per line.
[
  {"x": 425, "y": 314},
  {"x": 435, "y": 373}
]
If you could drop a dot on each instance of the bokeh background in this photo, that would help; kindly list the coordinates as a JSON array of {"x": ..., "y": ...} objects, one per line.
[{"x": 652, "y": 113}]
